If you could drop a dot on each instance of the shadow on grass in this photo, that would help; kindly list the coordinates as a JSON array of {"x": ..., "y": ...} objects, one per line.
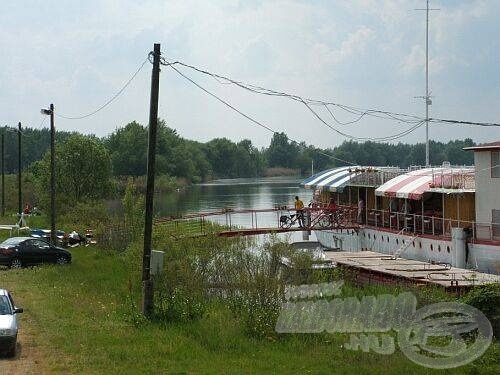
[{"x": 5, "y": 358}]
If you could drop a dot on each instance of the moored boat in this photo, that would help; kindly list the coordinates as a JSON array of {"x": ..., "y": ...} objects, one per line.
[{"x": 447, "y": 214}]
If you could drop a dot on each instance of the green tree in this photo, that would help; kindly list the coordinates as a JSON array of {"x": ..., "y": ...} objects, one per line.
[
  {"x": 221, "y": 153},
  {"x": 83, "y": 170},
  {"x": 128, "y": 150},
  {"x": 281, "y": 152}
]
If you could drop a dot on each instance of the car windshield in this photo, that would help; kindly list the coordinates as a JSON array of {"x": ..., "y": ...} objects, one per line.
[
  {"x": 4, "y": 306},
  {"x": 11, "y": 241}
]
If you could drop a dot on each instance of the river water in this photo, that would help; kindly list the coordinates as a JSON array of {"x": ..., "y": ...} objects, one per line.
[{"x": 236, "y": 194}]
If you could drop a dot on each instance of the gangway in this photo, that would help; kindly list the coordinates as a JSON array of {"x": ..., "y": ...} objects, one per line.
[{"x": 246, "y": 222}]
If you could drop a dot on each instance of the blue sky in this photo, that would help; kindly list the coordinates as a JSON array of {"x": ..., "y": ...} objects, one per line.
[{"x": 364, "y": 53}]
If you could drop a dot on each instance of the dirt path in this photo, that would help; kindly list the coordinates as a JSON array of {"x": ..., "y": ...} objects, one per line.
[{"x": 28, "y": 359}]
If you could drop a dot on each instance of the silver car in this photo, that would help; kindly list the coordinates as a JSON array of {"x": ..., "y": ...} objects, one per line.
[{"x": 8, "y": 323}]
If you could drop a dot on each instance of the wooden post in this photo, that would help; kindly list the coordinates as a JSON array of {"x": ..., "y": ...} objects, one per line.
[
  {"x": 147, "y": 284},
  {"x": 442, "y": 200},
  {"x": 422, "y": 211},
  {"x": 52, "y": 177}
]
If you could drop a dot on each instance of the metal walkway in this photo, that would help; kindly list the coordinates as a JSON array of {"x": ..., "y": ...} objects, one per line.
[
  {"x": 375, "y": 268},
  {"x": 230, "y": 223}
]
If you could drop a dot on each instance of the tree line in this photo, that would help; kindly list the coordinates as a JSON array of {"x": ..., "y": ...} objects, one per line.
[{"x": 86, "y": 163}]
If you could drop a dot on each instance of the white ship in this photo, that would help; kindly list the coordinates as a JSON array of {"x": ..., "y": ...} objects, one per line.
[{"x": 443, "y": 214}]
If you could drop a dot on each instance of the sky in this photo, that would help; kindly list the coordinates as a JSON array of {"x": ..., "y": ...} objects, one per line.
[{"x": 362, "y": 53}]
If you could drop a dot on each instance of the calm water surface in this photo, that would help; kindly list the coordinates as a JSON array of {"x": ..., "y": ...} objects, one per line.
[
  {"x": 237, "y": 194},
  {"x": 241, "y": 193}
]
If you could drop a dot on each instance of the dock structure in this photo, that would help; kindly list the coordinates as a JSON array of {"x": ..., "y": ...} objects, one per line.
[
  {"x": 232, "y": 223},
  {"x": 370, "y": 267}
]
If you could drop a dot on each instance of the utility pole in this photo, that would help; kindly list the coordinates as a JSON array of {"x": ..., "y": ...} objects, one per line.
[
  {"x": 52, "y": 177},
  {"x": 19, "y": 166},
  {"x": 427, "y": 97},
  {"x": 50, "y": 112},
  {"x": 147, "y": 284},
  {"x": 3, "y": 172}
]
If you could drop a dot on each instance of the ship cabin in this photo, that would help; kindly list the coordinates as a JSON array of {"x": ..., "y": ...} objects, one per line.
[
  {"x": 423, "y": 201},
  {"x": 487, "y": 198}
]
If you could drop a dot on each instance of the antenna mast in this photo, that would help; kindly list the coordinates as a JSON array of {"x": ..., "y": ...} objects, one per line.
[{"x": 427, "y": 97}]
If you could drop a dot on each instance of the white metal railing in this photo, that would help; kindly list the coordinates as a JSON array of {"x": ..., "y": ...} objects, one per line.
[
  {"x": 446, "y": 176},
  {"x": 434, "y": 225},
  {"x": 453, "y": 178},
  {"x": 372, "y": 176}
]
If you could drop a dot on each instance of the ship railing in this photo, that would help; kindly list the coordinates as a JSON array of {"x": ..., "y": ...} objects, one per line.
[
  {"x": 445, "y": 176},
  {"x": 430, "y": 224},
  {"x": 454, "y": 178},
  {"x": 487, "y": 231},
  {"x": 373, "y": 176}
]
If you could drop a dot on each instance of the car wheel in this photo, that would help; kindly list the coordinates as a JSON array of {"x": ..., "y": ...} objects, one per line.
[
  {"x": 62, "y": 260},
  {"x": 16, "y": 263},
  {"x": 11, "y": 353}
]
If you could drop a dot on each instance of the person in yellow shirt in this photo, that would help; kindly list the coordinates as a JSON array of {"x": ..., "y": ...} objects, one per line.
[{"x": 299, "y": 207}]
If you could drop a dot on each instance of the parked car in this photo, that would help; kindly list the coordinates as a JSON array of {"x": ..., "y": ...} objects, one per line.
[
  {"x": 17, "y": 252},
  {"x": 8, "y": 323}
]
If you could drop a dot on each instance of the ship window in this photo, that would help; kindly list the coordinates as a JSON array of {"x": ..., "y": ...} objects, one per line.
[
  {"x": 397, "y": 241},
  {"x": 439, "y": 248},
  {"x": 420, "y": 244},
  {"x": 447, "y": 248},
  {"x": 432, "y": 248},
  {"x": 369, "y": 236},
  {"x": 495, "y": 164},
  {"x": 495, "y": 223}
]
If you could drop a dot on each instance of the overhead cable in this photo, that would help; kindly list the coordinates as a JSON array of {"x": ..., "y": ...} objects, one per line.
[
  {"x": 306, "y": 102},
  {"x": 256, "y": 122},
  {"x": 395, "y": 116},
  {"x": 109, "y": 101}
]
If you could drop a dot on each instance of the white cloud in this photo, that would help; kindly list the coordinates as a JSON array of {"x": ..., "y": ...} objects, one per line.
[{"x": 368, "y": 53}]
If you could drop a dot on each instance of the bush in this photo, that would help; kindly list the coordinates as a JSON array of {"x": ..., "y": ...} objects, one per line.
[
  {"x": 486, "y": 298},
  {"x": 178, "y": 304},
  {"x": 85, "y": 215}
]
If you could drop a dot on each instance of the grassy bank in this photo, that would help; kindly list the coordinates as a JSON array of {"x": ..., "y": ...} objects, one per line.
[{"x": 80, "y": 317}]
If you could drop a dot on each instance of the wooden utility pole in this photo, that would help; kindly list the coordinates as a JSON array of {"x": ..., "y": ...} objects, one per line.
[
  {"x": 147, "y": 284},
  {"x": 19, "y": 154},
  {"x": 52, "y": 177},
  {"x": 3, "y": 172},
  {"x": 50, "y": 112}
]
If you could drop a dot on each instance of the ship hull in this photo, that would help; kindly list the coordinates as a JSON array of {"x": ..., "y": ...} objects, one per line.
[{"x": 483, "y": 256}]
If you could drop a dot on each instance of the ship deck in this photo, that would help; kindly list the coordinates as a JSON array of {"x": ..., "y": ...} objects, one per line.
[{"x": 373, "y": 267}]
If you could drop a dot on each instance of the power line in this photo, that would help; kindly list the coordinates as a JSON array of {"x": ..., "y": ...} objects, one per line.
[
  {"x": 256, "y": 122},
  {"x": 464, "y": 122},
  {"x": 305, "y": 102},
  {"x": 108, "y": 101},
  {"x": 263, "y": 91},
  {"x": 249, "y": 117},
  {"x": 387, "y": 115},
  {"x": 44, "y": 118}
]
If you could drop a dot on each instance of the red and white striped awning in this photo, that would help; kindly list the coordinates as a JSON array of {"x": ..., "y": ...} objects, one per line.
[{"x": 413, "y": 185}]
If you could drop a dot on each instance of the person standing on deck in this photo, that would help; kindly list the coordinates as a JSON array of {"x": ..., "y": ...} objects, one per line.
[
  {"x": 299, "y": 208},
  {"x": 361, "y": 206}
]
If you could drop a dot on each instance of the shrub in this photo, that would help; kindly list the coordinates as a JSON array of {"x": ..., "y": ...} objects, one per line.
[
  {"x": 178, "y": 304},
  {"x": 486, "y": 298}
]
